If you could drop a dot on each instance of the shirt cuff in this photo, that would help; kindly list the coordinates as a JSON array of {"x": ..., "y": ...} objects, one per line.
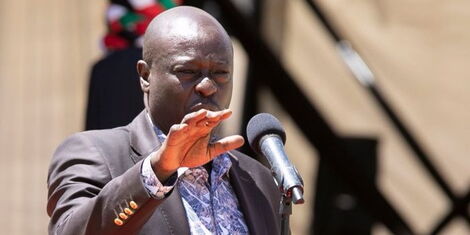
[
  {"x": 151, "y": 183},
  {"x": 154, "y": 187}
]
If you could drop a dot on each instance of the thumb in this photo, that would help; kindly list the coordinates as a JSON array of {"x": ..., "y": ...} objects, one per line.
[{"x": 225, "y": 144}]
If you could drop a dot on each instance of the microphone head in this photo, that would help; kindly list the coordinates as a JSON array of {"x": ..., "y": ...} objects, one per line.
[{"x": 261, "y": 125}]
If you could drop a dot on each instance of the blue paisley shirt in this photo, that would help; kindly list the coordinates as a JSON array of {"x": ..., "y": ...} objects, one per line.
[{"x": 210, "y": 203}]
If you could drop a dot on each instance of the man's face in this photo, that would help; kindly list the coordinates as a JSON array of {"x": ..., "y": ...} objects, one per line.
[{"x": 192, "y": 71}]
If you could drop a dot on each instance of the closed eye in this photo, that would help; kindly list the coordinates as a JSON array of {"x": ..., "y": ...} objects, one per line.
[
  {"x": 221, "y": 76},
  {"x": 187, "y": 71},
  {"x": 187, "y": 74},
  {"x": 220, "y": 72}
]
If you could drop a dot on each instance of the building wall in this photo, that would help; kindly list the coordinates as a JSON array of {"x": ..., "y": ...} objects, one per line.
[
  {"x": 46, "y": 49},
  {"x": 419, "y": 51}
]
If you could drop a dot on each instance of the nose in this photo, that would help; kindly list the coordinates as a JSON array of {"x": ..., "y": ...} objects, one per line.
[{"x": 206, "y": 87}]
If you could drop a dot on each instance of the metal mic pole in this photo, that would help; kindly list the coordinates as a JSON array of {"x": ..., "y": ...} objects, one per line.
[
  {"x": 286, "y": 177},
  {"x": 285, "y": 210}
]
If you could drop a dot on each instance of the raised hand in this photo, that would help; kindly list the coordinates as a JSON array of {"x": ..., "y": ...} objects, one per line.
[{"x": 188, "y": 143}]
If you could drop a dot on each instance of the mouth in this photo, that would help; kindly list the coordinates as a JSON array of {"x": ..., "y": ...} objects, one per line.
[{"x": 208, "y": 106}]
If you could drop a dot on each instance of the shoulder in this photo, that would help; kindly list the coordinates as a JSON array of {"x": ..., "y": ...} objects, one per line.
[
  {"x": 101, "y": 139},
  {"x": 96, "y": 147},
  {"x": 106, "y": 137},
  {"x": 255, "y": 169}
]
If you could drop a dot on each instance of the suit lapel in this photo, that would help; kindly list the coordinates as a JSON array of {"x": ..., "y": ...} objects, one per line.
[
  {"x": 250, "y": 197},
  {"x": 144, "y": 141}
]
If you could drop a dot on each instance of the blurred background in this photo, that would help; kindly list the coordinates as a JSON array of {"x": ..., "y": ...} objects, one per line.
[{"x": 387, "y": 155}]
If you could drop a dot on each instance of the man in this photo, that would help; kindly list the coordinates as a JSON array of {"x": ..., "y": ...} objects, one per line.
[{"x": 135, "y": 179}]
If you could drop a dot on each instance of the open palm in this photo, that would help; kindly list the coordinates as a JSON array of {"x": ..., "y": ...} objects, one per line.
[{"x": 188, "y": 144}]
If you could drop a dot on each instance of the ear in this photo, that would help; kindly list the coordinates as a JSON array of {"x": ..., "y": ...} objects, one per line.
[{"x": 144, "y": 73}]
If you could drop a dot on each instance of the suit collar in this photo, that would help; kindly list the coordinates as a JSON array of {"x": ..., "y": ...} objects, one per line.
[
  {"x": 249, "y": 196},
  {"x": 143, "y": 139}
]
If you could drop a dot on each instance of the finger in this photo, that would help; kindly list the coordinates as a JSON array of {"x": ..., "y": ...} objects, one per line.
[
  {"x": 177, "y": 128},
  {"x": 225, "y": 144},
  {"x": 194, "y": 117},
  {"x": 222, "y": 114},
  {"x": 226, "y": 114},
  {"x": 177, "y": 132},
  {"x": 203, "y": 123},
  {"x": 208, "y": 124},
  {"x": 213, "y": 118}
]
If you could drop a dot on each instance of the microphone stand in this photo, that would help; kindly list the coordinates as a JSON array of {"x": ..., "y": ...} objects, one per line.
[
  {"x": 285, "y": 175},
  {"x": 294, "y": 195}
]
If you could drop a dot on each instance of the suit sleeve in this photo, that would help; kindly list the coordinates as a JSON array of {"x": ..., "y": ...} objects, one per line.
[{"x": 84, "y": 198}]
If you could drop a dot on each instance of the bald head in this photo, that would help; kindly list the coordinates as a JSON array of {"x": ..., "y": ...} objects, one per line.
[
  {"x": 187, "y": 66},
  {"x": 180, "y": 25}
]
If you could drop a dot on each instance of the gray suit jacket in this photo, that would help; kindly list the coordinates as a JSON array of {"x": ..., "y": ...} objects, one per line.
[{"x": 94, "y": 175}]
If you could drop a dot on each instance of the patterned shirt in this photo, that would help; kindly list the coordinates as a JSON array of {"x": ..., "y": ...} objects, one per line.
[{"x": 210, "y": 203}]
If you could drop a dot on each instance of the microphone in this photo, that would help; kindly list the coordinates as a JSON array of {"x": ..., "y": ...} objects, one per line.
[{"x": 267, "y": 137}]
